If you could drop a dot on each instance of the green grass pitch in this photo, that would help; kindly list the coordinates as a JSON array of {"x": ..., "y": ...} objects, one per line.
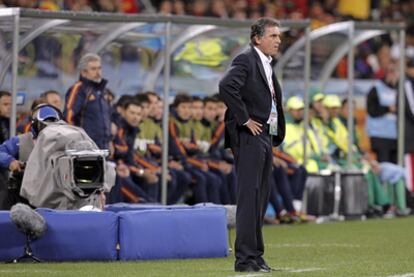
[{"x": 355, "y": 248}]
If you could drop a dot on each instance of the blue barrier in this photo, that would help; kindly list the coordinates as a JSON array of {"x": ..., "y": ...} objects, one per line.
[
  {"x": 173, "y": 234},
  {"x": 150, "y": 232}
]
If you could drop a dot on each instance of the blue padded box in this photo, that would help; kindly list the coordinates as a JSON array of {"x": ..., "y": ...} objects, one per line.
[
  {"x": 78, "y": 236},
  {"x": 173, "y": 233},
  {"x": 121, "y": 207},
  {"x": 11, "y": 240}
]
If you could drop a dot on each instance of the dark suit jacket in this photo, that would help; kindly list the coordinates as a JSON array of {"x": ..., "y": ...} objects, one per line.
[{"x": 245, "y": 91}]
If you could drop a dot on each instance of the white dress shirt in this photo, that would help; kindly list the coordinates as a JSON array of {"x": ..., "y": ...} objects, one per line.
[
  {"x": 267, "y": 65},
  {"x": 266, "y": 62}
]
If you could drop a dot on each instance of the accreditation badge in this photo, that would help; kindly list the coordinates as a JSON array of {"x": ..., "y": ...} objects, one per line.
[{"x": 273, "y": 120}]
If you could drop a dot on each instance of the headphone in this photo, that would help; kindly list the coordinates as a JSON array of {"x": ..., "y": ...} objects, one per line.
[{"x": 37, "y": 124}]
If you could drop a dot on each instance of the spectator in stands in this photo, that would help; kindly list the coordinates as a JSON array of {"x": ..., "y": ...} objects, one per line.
[
  {"x": 409, "y": 124},
  {"x": 293, "y": 144},
  {"x": 201, "y": 132},
  {"x": 77, "y": 5},
  {"x": 5, "y": 112},
  {"x": 409, "y": 42},
  {"x": 199, "y": 8},
  {"x": 107, "y": 6},
  {"x": 409, "y": 109},
  {"x": 150, "y": 134},
  {"x": 124, "y": 151},
  {"x": 52, "y": 97},
  {"x": 218, "y": 9},
  {"x": 86, "y": 105},
  {"x": 179, "y": 7},
  {"x": 182, "y": 147},
  {"x": 381, "y": 60},
  {"x": 381, "y": 124},
  {"x": 165, "y": 7},
  {"x": 343, "y": 116}
]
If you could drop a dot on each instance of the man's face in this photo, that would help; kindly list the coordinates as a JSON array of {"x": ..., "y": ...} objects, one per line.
[
  {"x": 297, "y": 114},
  {"x": 145, "y": 109},
  {"x": 152, "y": 105},
  {"x": 210, "y": 111},
  {"x": 133, "y": 115},
  {"x": 333, "y": 112},
  {"x": 93, "y": 71},
  {"x": 197, "y": 110},
  {"x": 158, "y": 110},
  {"x": 184, "y": 110},
  {"x": 270, "y": 42},
  {"x": 221, "y": 110},
  {"x": 5, "y": 106},
  {"x": 392, "y": 76},
  {"x": 55, "y": 100}
]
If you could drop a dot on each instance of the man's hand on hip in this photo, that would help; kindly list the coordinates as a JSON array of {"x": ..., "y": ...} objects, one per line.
[{"x": 254, "y": 127}]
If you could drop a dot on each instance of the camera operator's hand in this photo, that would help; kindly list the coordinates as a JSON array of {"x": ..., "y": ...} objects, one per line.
[{"x": 16, "y": 166}]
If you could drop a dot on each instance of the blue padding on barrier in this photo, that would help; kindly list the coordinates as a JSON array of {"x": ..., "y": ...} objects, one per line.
[
  {"x": 121, "y": 207},
  {"x": 11, "y": 240},
  {"x": 172, "y": 234},
  {"x": 77, "y": 236}
]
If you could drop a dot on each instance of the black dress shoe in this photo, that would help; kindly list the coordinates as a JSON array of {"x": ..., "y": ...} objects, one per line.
[
  {"x": 248, "y": 268},
  {"x": 266, "y": 268}
]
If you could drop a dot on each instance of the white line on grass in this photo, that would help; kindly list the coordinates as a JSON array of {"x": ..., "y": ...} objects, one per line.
[
  {"x": 247, "y": 275},
  {"x": 290, "y": 270},
  {"x": 27, "y": 271},
  {"x": 403, "y": 275},
  {"x": 307, "y": 245},
  {"x": 300, "y": 270}
]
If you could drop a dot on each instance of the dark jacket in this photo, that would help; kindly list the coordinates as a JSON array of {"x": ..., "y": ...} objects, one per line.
[
  {"x": 4, "y": 128},
  {"x": 86, "y": 107},
  {"x": 409, "y": 117},
  {"x": 245, "y": 91},
  {"x": 124, "y": 142},
  {"x": 374, "y": 107}
]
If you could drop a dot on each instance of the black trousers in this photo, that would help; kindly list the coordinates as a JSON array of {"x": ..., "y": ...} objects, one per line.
[
  {"x": 253, "y": 159},
  {"x": 385, "y": 149}
]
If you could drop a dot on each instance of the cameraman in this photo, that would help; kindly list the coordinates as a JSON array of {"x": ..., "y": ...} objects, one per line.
[{"x": 15, "y": 151}]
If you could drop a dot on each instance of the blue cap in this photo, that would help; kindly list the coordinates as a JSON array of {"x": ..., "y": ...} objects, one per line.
[{"x": 47, "y": 112}]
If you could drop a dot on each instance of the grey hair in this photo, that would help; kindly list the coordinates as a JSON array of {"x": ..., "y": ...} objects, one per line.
[
  {"x": 259, "y": 26},
  {"x": 87, "y": 58}
]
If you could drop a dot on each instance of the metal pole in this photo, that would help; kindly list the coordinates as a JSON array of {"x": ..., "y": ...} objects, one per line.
[
  {"x": 350, "y": 94},
  {"x": 165, "y": 114},
  {"x": 15, "y": 64},
  {"x": 306, "y": 93},
  {"x": 401, "y": 101}
]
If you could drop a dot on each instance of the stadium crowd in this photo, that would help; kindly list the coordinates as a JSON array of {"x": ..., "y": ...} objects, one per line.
[
  {"x": 371, "y": 57},
  {"x": 200, "y": 169},
  {"x": 322, "y": 12}
]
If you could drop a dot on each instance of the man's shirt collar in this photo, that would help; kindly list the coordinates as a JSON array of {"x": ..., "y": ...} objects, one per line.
[{"x": 265, "y": 59}]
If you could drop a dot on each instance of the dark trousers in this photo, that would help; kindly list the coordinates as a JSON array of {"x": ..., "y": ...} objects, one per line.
[
  {"x": 179, "y": 184},
  {"x": 385, "y": 149},
  {"x": 283, "y": 187},
  {"x": 297, "y": 182},
  {"x": 253, "y": 159}
]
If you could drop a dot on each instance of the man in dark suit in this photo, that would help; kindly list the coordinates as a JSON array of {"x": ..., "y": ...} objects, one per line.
[{"x": 254, "y": 123}]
